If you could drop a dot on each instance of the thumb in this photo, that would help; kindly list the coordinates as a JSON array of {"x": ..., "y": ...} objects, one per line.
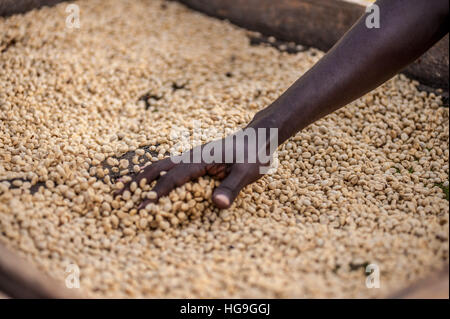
[{"x": 230, "y": 187}]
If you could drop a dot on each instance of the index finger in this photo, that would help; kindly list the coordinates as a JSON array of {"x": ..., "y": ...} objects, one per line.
[{"x": 150, "y": 173}]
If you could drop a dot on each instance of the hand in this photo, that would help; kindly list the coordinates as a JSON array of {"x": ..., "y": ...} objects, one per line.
[{"x": 242, "y": 167}]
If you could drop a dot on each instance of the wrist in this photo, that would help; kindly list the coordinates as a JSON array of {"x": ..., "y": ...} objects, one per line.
[{"x": 276, "y": 116}]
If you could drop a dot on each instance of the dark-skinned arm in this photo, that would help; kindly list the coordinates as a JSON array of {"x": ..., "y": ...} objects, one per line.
[{"x": 362, "y": 60}]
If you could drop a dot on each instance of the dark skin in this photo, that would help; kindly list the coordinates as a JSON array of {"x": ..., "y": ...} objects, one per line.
[{"x": 361, "y": 61}]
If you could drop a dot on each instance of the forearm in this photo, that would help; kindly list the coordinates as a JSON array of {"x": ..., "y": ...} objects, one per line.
[{"x": 362, "y": 60}]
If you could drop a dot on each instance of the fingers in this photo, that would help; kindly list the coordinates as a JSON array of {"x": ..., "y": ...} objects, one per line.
[
  {"x": 177, "y": 176},
  {"x": 150, "y": 173},
  {"x": 224, "y": 195},
  {"x": 218, "y": 171}
]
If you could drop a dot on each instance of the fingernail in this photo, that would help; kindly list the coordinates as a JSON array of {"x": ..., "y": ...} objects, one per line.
[{"x": 222, "y": 200}]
